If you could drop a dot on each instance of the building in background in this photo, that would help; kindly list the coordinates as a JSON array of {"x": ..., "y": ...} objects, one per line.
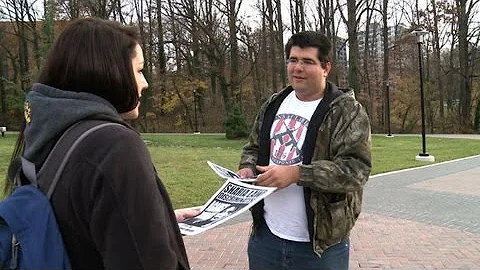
[
  {"x": 375, "y": 40},
  {"x": 341, "y": 63}
]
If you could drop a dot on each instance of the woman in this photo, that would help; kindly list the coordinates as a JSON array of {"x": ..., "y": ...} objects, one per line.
[{"x": 111, "y": 207}]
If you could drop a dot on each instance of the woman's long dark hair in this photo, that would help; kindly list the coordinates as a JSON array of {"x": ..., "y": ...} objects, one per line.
[
  {"x": 95, "y": 56},
  {"x": 90, "y": 55}
]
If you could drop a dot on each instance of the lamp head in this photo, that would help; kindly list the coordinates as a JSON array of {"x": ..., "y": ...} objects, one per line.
[{"x": 419, "y": 33}]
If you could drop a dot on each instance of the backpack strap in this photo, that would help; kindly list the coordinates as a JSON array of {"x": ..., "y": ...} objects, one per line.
[
  {"x": 28, "y": 169},
  {"x": 51, "y": 170}
]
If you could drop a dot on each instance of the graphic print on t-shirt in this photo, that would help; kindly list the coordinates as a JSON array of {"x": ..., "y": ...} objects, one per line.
[{"x": 287, "y": 137}]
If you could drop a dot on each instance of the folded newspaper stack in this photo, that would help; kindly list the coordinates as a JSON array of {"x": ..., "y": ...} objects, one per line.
[{"x": 234, "y": 197}]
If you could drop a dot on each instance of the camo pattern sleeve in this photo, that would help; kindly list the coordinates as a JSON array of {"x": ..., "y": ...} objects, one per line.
[{"x": 342, "y": 157}]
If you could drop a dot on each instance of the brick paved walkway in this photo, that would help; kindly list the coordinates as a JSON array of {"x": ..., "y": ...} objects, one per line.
[{"x": 423, "y": 218}]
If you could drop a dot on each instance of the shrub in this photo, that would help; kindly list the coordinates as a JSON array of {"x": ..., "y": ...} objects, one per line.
[{"x": 236, "y": 126}]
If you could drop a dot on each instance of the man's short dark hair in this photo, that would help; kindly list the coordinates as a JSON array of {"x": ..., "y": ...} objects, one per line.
[
  {"x": 95, "y": 56},
  {"x": 311, "y": 39}
]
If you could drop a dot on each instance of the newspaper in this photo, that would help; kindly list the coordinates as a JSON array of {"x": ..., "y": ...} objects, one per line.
[
  {"x": 228, "y": 174},
  {"x": 232, "y": 199}
]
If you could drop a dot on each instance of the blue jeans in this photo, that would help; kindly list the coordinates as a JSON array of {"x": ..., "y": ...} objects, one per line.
[{"x": 268, "y": 251}]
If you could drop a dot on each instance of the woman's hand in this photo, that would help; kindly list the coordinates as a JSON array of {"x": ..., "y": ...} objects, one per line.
[
  {"x": 246, "y": 173},
  {"x": 186, "y": 213}
]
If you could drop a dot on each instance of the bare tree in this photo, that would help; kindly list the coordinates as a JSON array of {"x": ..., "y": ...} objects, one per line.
[
  {"x": 279, "y": 42},
  {"x": 48, "y": 27},
  {"x": 297, "y": 15},
  {"x": 465, "y": 66},
  {"x": 17, "y": 12},
  {"x": 386, "y": 71},
  {"x": 3, "y": 79},
  {"x": 271, "y": 35},
  {"x": 326, "y": 23},
  {"x": 370, "y": 49},
  {"x": 437, "y": 63},
  {"x": 161, "y": 57},
  {"x": 72, "y": 8},
  {"x": 351, "y": 21},
  {"x": 233, "y": 8}
]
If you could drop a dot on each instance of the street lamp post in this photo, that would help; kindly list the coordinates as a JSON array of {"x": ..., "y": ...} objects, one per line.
[
  {"x": 387, "y": 114},
  {"x": 423, "y": 156},
  {"x": 195, "y": 111}
]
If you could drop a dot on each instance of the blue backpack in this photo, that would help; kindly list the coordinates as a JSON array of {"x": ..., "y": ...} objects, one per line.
[{"x": 29, "y": 233}]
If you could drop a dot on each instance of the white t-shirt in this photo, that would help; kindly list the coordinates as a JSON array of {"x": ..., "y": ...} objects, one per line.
[{"x": 285, "y": 212}]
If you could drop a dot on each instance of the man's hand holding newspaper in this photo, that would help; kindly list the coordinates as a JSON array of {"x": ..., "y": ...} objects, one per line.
[{"x": 233, "y": 198}]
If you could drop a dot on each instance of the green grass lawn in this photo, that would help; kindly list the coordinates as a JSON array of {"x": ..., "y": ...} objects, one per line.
[{"x": 181, "y": 160}]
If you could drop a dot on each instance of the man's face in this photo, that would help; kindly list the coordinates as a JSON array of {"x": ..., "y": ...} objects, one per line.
[{"x": 306, "y": 74}]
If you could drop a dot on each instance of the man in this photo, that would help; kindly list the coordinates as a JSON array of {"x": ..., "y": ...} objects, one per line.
[{"x": 312, "y": 142}]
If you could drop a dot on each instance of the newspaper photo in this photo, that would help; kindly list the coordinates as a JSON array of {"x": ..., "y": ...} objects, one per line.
[
  {"x": 228, "y": 174},
  {"x": 232, "y": 199}
]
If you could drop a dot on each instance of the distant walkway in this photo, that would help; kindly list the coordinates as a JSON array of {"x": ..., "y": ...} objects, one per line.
[
  {"x": 421, "y": 218},
  {"x": 453, "y": 136}
]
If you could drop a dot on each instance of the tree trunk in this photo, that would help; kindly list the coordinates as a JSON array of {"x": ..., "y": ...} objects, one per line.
[
  {"x": 386, "y": 75},
  {"x": 293, "y": 18},
  {"x": 175, "y": 35},
  {"x": 281, "y": 65},
  {"x": 257, "y": 81},
  {"x": 32, "y": 25},
  {"x": 234, "y": 61},
  {"x": 195, "y": 46},
  {"x": 366, "y": 66},
  {"x": 437, "y": 66},
  {"x": 162, "y": 59},
  {"x": 273, "y": 54},
  {"x": 264, "y": 54},
  {"x": 74, "y": 9},
  {"x": 353, "y": 80},
  {"x": 465, "y": 90},
  {"x": 23, "y": 54},
  {"x": 3, "y": 78},
  {"x": 48, "y": 28}
]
